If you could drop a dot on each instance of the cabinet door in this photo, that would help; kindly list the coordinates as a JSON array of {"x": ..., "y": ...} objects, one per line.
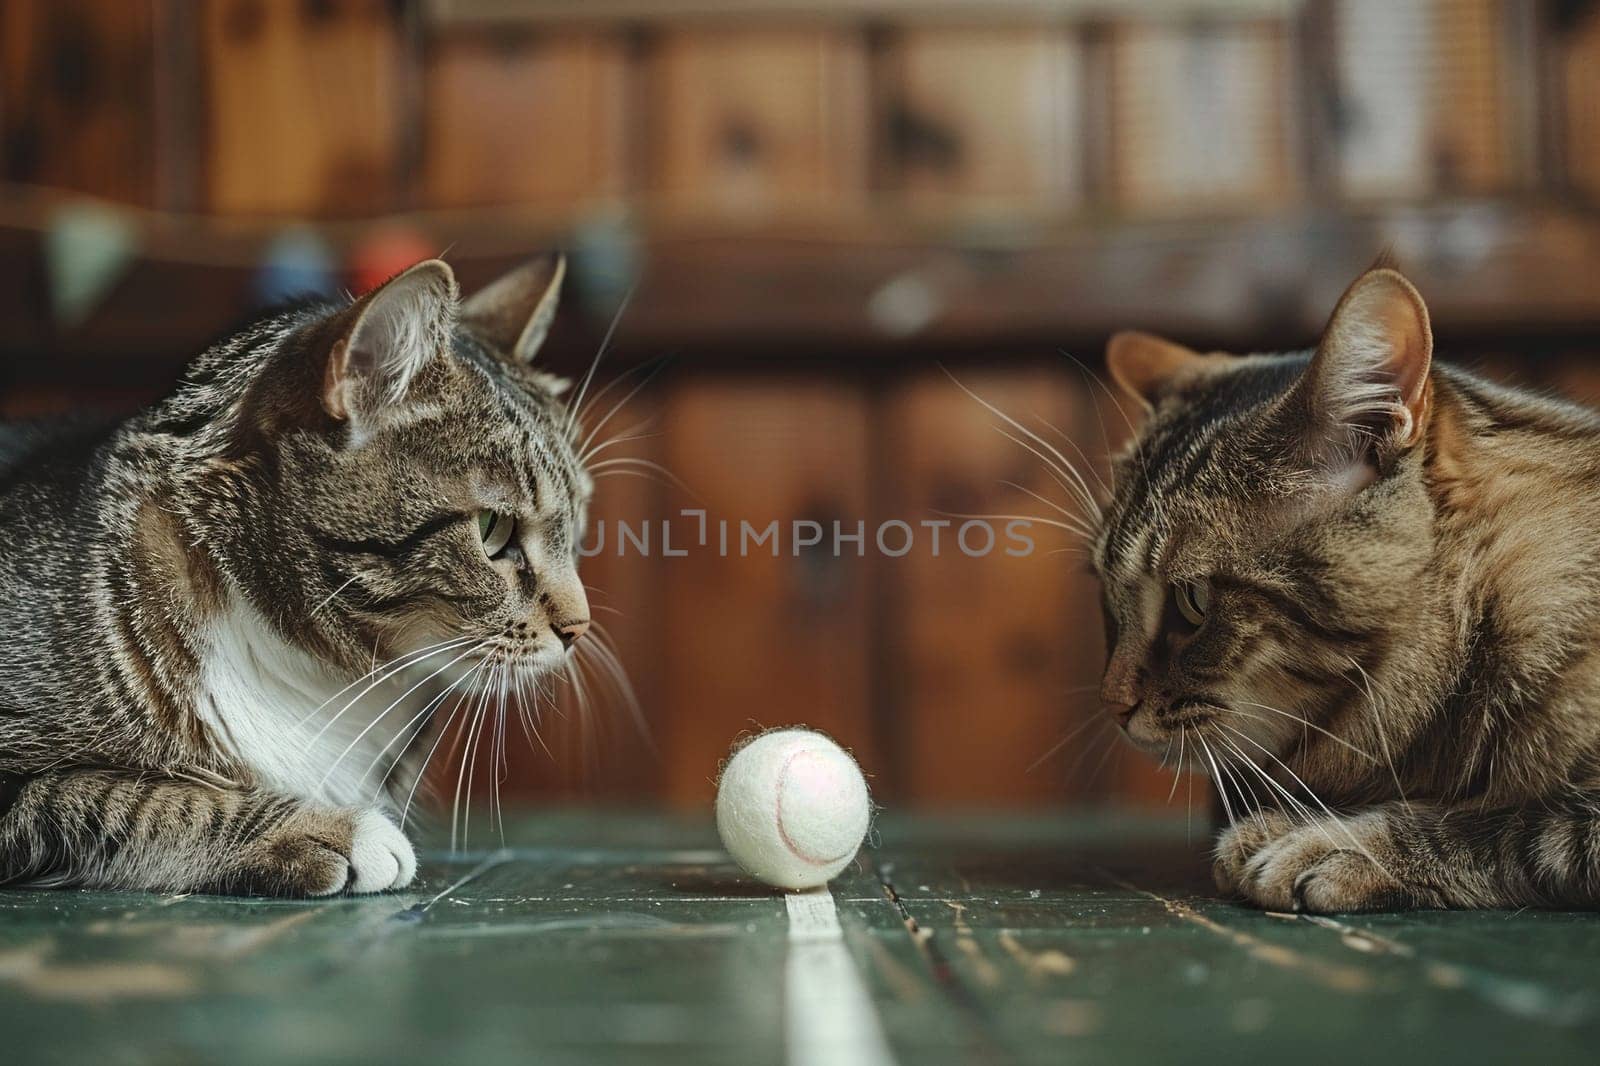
[
  {"x": 1200, "y": 116},
  {"x": 755, "y": 640},
  {"x": 1422, "y": 101},
  {"x": 981, "y": 117},
  {"x": 759, "y": 120},
  {"x": 993, "y": 657},
  {"x": 78, "y": 96},
  {"x": 524, "y": 119},
  {"x": 302, "y": 106},
  {"x": 1579, "y": 53}
]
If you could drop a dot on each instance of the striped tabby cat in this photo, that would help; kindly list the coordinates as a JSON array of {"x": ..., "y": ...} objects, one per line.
[
  {"x": 1362, "y": 592},
  {"x": 194, "y": 601}
]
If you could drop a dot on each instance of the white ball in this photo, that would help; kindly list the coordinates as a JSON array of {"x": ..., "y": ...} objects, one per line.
[{"x": 792, "y": 808}]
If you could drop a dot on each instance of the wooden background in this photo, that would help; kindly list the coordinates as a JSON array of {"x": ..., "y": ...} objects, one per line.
[{"x": 822, "y": 204}]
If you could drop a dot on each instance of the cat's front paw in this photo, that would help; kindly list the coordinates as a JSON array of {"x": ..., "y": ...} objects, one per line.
[
  {"x": 318, "y": 852},
  {"x": 1326, "y": 865}
]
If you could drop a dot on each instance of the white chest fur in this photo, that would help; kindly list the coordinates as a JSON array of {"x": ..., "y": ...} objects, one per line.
[{"x": 301, "y": 727}]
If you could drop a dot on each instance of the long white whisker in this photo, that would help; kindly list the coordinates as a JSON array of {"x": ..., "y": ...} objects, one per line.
[
  {"x": 576, "y": 405},
  {"x": 396, "y": 702}
]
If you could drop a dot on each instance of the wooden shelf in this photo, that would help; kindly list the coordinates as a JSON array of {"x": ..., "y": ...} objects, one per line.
[{"x": 1493, "y": 273}]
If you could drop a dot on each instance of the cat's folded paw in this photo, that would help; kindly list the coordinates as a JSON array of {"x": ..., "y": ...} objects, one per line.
[
  {"x": 381, "y": 858},
  {"x": 320, "y": 852},
  {"x": 1242, "y": 840},
  {"x": 1321, "y": 866}
]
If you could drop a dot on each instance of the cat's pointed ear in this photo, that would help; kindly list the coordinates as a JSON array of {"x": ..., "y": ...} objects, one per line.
[
  {"x": 1143, "y": 364},
  {"x": 514, "y": 312},
  {"x": 394, "y": 331},
  {"x": 1367, "y": 385}
]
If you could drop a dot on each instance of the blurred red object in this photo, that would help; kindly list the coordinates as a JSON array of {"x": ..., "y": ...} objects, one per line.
[{"x": 385, "y": 252}]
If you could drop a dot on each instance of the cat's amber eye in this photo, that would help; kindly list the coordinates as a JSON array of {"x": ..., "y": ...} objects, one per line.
[
  {"x": 1193, "y": 599},
  {"x": 495, "y": 530}
]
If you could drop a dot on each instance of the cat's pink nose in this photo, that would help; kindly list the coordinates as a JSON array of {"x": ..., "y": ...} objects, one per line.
[{"x": 569, "y": 632}]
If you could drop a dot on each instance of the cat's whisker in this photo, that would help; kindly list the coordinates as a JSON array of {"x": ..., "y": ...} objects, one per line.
[
  {"x": 1069, "y": 479},
  {"x": 1076, "y": 730},
  {"x": 1306, "y": 723},
  {"x": 1306, "y": 815},
  {"x": 464, "y": 776},
  {"x": 1354, "y": 841},
  {"x": 627, "y": 436},
  {"x": 1030, "y": 434},
  {"x": 634, "y": 464},
  {"x": 389, "y": 669},
  {"x": 1178, "y": 771},
  {"x": 422, "y": 769},
  {"x": 584, "y": 446},
  {"x": 1105, "y": 489},
  {"x": 385, "y": 712},
  {"x": 1104, "y": 734},
  {"x": 584, "y": 449},
  {"x": 1054, "y": 506},
  {"x": 609, "y": 661},
  {"x": 575, "y": 407},
  {"x": 1075, "y": 529},
  {"x": 416, "y": 724},
  {"x": 1216, "y": 776},
  {"x": 1377, "y": 724}
]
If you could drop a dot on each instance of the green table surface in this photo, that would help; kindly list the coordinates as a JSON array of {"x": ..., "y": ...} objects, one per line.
[{"x": 591, "y": 937}]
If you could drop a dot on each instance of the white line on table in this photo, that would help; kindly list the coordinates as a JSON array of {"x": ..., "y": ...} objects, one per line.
[{"x": 829, "y": 1019}]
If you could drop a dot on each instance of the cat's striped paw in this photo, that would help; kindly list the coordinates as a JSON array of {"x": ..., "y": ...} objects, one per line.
[
  {"x": 1326, "y": 865},
  {"x": 322, "y": 852}
]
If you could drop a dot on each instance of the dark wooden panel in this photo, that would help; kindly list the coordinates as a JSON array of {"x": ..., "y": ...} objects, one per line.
[
  {"x": 982, "y": 116},
  {"x": 758, "y": 641},
  {"x": 759, "y": 120},
  {"x": 78, "y": 95},
  {"x": 993, "y": 655},
  {"x": 524, "y": 118},
  {"x": 303, "y": 106},
  {"x": 1578, "y": 55}
]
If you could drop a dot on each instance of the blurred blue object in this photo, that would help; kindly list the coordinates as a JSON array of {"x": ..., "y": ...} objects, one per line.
[
  {"x": 296, "y": 263},
  {"x": 605, "y": 261}
]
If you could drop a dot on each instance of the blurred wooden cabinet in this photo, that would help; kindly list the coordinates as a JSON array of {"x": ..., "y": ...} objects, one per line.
[
  {"x": 755, "y": 120},
  {"x": 525, "y": 118},
  {"x": 774, "y": 631},
  {"x": 1201, "y": 117},
  {"x": 78, "y": 97},
  {"x": 1424, "y": 98},
  {"x": 982, "y": 117},
  {"x": 302, "y": 106}
]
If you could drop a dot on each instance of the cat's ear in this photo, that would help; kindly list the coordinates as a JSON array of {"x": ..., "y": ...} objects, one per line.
[
  {"x": 1367, "y": 386},
  {"x": 514, "y": 312},
  {"x": 395, "y": 330},
  {"x": 1143, "y": 364}
]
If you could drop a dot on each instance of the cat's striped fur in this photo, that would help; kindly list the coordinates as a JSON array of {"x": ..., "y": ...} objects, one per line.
[
  {"x": 194, "y": 601},
  {"x": 1362, "y": 592}
]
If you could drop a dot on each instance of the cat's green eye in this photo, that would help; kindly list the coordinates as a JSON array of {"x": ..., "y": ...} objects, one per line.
[
  {"x": 495, "y": 530},
  {"x": 1193, "y": 599}
]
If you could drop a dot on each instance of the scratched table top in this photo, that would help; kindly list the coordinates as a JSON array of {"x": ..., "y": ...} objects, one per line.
[{"x": 609, "y": 938}]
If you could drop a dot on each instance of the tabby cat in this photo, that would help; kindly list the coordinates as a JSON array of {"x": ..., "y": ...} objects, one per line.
[
  {"x": 231, "y": 623},
  {"x": 1361, "y": 591}
]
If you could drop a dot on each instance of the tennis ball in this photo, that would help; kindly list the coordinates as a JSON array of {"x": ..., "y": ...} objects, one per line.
[{"x": 792, "y": 808}]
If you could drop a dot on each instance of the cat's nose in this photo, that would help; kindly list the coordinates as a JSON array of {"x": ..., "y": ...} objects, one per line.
[{"x": 569, "y": 632}]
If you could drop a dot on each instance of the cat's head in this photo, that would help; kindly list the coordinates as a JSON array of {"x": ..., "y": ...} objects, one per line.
[
  {"x": 396, "y": 473},
  {"x": 1267, "y": 527}
]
